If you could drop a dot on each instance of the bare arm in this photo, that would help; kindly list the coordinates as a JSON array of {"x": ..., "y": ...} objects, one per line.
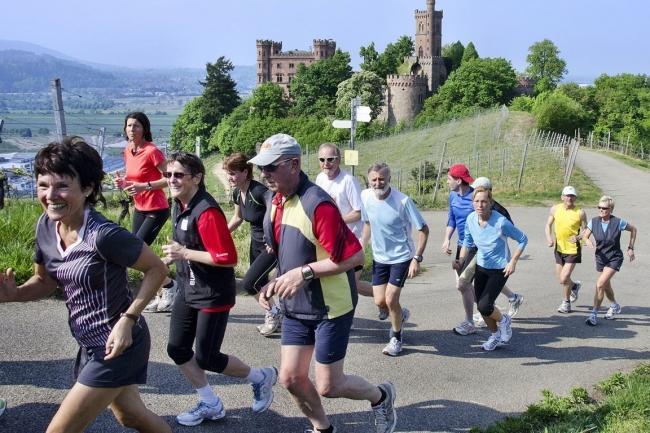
[
  {"x": 365, "y": 235},
  {"x": 352, "y": 216},
  {"x": 547, "y": 228},
  {"x": 36, "y": 287},
  {"x": 235, "y": 220},
  {"x": 586, "y": 235},
  {"x": 423, "y": 236},
  {"x": 175, "y": 251},
  {"x": 449, "y": 231},
  {"x": 630, "y": 249}
]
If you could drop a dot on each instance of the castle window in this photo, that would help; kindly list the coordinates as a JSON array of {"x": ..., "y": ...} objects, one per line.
[
  {"x": 259, "y": 78},
  {"x": 259, "y": 66},
  {"x": 279, "y": 65},
  {"x": 278, "y": 78},
  {"x": 291, "y": 65},
  {"x": 290, "y": 77},
  {"x": 259, "y": 53}
]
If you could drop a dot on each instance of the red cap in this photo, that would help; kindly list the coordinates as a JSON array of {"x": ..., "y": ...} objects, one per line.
[{"x": 460, "y": 171}]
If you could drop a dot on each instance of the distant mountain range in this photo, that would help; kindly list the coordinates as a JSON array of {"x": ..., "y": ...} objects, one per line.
[{"x": 29, "y": 68}]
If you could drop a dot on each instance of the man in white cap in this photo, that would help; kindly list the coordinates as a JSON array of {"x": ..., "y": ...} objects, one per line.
[
  {"x": 315, "y": 284},
  {"x": 569, "y": 220},
  {"x": 514, "y": 299}
]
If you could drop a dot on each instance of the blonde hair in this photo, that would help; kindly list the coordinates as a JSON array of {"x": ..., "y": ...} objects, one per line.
[
  {"x": 607, "y": 199},
  {"x": 482, "y": 189}
]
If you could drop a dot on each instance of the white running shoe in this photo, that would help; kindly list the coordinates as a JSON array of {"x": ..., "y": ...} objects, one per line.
[
  {"x": 393, "y": 348},
  {"x": 167, "y": 298},
  {"x": 513, "y": 309},
  {"x": 201, "y": 412},
  {"x": 565, "y": 307},
  {"x": 263, "y": 391},
  {"x": 574, "y": 291},
  {"x": 465, "y": 328},
  {"x": 505, "y": 329},
  {"x": 479, "y": 321},
  {"x": 613, "y": 310},
  {"x": 592, "y": 320},
  {"x": 493, "y": 342},
  {"x": 152, "y": 306},
  {"x": 272, "y": 323}
]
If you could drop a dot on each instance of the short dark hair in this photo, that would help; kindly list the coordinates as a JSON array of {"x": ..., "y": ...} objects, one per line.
[
  {"x": 239, "y": 162},
  {"x": 144, "y": 121},
  {"x": 75, "y": 158},
  {"x": 191, "y": 162}
]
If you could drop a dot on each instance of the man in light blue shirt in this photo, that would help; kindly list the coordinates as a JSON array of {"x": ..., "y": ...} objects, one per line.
[{"x": 389, "y": 217}]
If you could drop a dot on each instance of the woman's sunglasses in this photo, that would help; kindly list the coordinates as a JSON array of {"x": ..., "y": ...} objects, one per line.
[
  {"x": 602, "y": 208},
  {"x": 176, "y": 174}
]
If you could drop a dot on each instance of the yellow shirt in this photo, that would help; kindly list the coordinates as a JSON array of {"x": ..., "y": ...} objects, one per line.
[{"x": 567, "y": 224}]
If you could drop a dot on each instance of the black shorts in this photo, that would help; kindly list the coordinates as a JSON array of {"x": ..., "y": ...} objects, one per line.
[
  {"x": 127, "y": 369},
  {"x": 394, "y": 274},
  {"x": 614, "y": 263},
  {"x": 329, "y": 336},
  {"x": 562, "y": 259}
]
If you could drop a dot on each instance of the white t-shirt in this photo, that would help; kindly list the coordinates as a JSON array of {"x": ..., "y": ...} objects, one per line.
[{"x": 346, "y": 192}]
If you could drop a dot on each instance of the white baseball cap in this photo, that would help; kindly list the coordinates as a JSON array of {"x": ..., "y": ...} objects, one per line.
[
  {"x": 482, "y": 181},
  {"x": 274, "y": 148},
  {"x": 569, "y": 190}
]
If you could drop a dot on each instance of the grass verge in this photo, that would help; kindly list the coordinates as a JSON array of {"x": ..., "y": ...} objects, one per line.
[
  {"x": 633, "y": 162},
  {"x": 619, "y": 404}
]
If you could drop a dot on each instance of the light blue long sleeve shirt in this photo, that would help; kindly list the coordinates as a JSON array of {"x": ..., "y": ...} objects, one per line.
[{"x": 492, "y": 240}]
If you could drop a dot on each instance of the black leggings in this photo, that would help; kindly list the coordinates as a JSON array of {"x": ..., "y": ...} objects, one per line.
[
  {"x": 261, "y": 263},
  {"x": 186, "y": 325},
  {"x": 488, "y": 283},
  {"x": 147, "y": 224}
]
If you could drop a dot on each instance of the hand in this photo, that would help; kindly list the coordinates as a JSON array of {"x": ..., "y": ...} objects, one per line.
[
  {"x": 8, "y": 288},
  {"x": 269, "y": 250},
  {"x": 445, "y": 247},
  {"x": 573, "y": 239},
  {"x": 120, "y": 338},
  {"x": 551, "y": 243},
  {"x": 630, "y": 254},
  {"x": 133, "y": 188},
  {"x": 174, "y": 251},
  {"x": 457, "y": 264},
  {"x": 509, "y": 269},
  {"x": 289, "y": 283},
  {"x": 265, "y": 294},
  {"x": 118, "y": 180},
  {"x": 414, "y": 269}
]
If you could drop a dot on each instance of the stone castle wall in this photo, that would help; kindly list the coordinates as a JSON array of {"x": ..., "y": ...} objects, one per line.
[{"x": 403, "y": 97}]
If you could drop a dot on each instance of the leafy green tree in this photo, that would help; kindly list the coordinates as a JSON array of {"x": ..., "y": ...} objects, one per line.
[
  {"x": 476, "y": 84},
  {"x": 469, "y": 53},
  {"x": 387, "y": 62},
  {"x": 365, "y": 84},
  {"x": 220, "y": 95},
  {"x": 313, "y": 88},
  {"x": 545, "y": 65},
  {"x": 453, "y": 55},
  {"x": 269, "y": 99},
  {"x": 554, "y": 111},
  {"x": 522, "y": 103},
  {"x": 189, "y": 125}
]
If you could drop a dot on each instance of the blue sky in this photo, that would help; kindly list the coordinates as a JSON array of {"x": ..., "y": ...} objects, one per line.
[{"x": 594, "y": 36}]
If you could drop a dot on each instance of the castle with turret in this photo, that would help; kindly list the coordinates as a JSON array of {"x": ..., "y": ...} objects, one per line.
[{"x": 404, "y": 95}]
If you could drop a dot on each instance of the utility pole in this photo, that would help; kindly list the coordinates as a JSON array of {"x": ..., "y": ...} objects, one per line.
[
  {"x": 354, "y": 103},
  {"x": 2, "y": 123},
  {"x": 59, "y": 115}
]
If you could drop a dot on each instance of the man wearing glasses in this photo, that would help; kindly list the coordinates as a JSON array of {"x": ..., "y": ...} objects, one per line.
[
  {"x": 346, "y": 193},
  {"x": 316, "y": 254},
  {"x": 568, "y": 220}
]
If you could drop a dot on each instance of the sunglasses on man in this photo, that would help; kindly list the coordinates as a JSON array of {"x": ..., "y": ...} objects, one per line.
[
  {"x": 270, "y": 168},
  {"x": 330, "y": 159}
]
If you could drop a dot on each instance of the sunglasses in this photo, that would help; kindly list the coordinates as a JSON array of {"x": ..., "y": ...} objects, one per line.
[
  {"x": 176, "y": 174},
  {"x": 270, "y": 168},
  {"x": 330, "y": 159},
  {"x": 602, "y": 208}
]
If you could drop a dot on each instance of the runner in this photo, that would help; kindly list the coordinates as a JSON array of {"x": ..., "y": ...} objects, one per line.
[
  {"x": 346, "y": 192},
  {"x": 487, "y": 230},
  {"x": 205, "y": 256},
  {"x": 389, "y": 216},
  {"x": 315, "y": 284},
  {"x": 514, "y": 299},
  {"x": 568, "y": 221},
  {"x": 250, "y": 198},
  {"x": 607, "y": 229}
]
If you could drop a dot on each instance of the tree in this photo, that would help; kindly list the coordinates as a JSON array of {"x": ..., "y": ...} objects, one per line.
[
  {"x": 365, "y": 84},
  {"x": 469, "y": 53},
  {"x": 220, "y": 95},
  {"x": 269, "y": 100},
  {"x": 545, "y": 65},
  {"x": 387, "y": 62},
  {"x": 453, "y": 55},
  {"x": 557, "y": 112},
  {"x": 476, "y": 84},
  {"x": 189, "y": 125},
  {"x": 313, "y": 88}
]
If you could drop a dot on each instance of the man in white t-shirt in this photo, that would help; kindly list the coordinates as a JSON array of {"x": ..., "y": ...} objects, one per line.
[
  {"x": 389, "y": 216},
  {"x": 346, "y": 192}
]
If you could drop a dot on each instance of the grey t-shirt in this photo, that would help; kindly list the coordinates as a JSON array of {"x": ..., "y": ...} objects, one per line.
[{"x": 92, "y": 273}]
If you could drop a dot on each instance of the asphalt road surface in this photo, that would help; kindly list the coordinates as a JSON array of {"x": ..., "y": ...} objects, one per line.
[{"x": 445, "y": 383}]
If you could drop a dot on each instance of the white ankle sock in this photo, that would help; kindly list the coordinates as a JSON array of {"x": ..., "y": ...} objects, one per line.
[
  {"x": 207, "y": 395},
  {"x": 255, "y": 375}
]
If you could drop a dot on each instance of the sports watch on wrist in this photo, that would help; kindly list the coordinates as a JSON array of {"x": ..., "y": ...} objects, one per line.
[
  {"x": 307, "y": 273},
  {"x": 148, "y": 187},
  {"x": 418, "y": 258}
]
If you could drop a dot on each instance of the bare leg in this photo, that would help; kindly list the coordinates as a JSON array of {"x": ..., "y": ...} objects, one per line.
[
  {"x": 604, "y": 287},
  {"x": 394, "y": 307},
  {"x": 466, "y": 290},
  {"x": 565, "y": 279},
  {"x": 80, "y": 407},
  {"x": 130, "y": 411},
  {"x": 493, "y": 319},
  {"x": 332, "y": 382}
]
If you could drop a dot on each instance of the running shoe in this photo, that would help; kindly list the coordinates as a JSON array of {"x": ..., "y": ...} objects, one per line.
[
  {"x": 493, "y": 342},
  {"x": 406, "y": 315},
  {"x": 201, "y": 412},
  {"x": 272, "y": 323},
  {"x": 167, "y": 298},
  {"x": 152, "y": 306},
  {"x": 592, "y": 320},
  {"x": 263, "y": 391},
  {"x": 574, "y": 291},
  {"x": 3, "y": 406},
  {"x": 565, "y": 307},
  {"x": 393, "y": 348},
  {"x": 479, "y": 321},
  {"x": 383, "y": 313},
  {"x": 613, "y": 310},
  {"x": 465, "y": 328},
  {"x": 513, "y": 309},
  {"x": 385, "y": 414},
  {"x": 505, "y": 329}
]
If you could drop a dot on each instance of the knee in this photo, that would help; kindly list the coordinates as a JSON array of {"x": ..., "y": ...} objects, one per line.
[
  {"x": 326, "y": 389},
  {"x": 249, "y": 284},
  {"x": 463, "y": 285},
  {"x": 127, "y": 419},
  {"x": 216, "y": 362},
  {"x": 392, "y": 301},
  {"x": 485, "y": 307},
  {"x": 179, "y": 354},
  {"x": 565, "y": 279},
  {"x": 290, "y": 380}
]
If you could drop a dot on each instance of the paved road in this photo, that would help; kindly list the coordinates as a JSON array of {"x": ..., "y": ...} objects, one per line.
[{"x": 445, "y": 383}]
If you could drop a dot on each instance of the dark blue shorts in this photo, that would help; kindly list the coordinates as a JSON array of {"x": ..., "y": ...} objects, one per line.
[
  {"x": 329, "y": 336},
  {"x": 394, "y": 274},
  {"x": 127, "y": 369},
  {"x": 614, "y": 263}
]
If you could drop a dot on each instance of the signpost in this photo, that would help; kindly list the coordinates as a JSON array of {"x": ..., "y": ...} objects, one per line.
[{"x": 358, "y": 113}]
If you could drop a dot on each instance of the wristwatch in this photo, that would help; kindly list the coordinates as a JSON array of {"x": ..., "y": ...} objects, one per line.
[
  {"x": 149, "y": 187},
  {"x": 307, "y": 273},
  {"x": 418, "y": 258}
]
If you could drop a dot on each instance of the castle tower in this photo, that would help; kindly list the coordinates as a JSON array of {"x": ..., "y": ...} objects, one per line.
[
  {"x": 264, "y": 48},
  {"x": 428, "y": 44},
  {"x": 323, "y": 48},
  {"x": 404, "y": 97}
]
